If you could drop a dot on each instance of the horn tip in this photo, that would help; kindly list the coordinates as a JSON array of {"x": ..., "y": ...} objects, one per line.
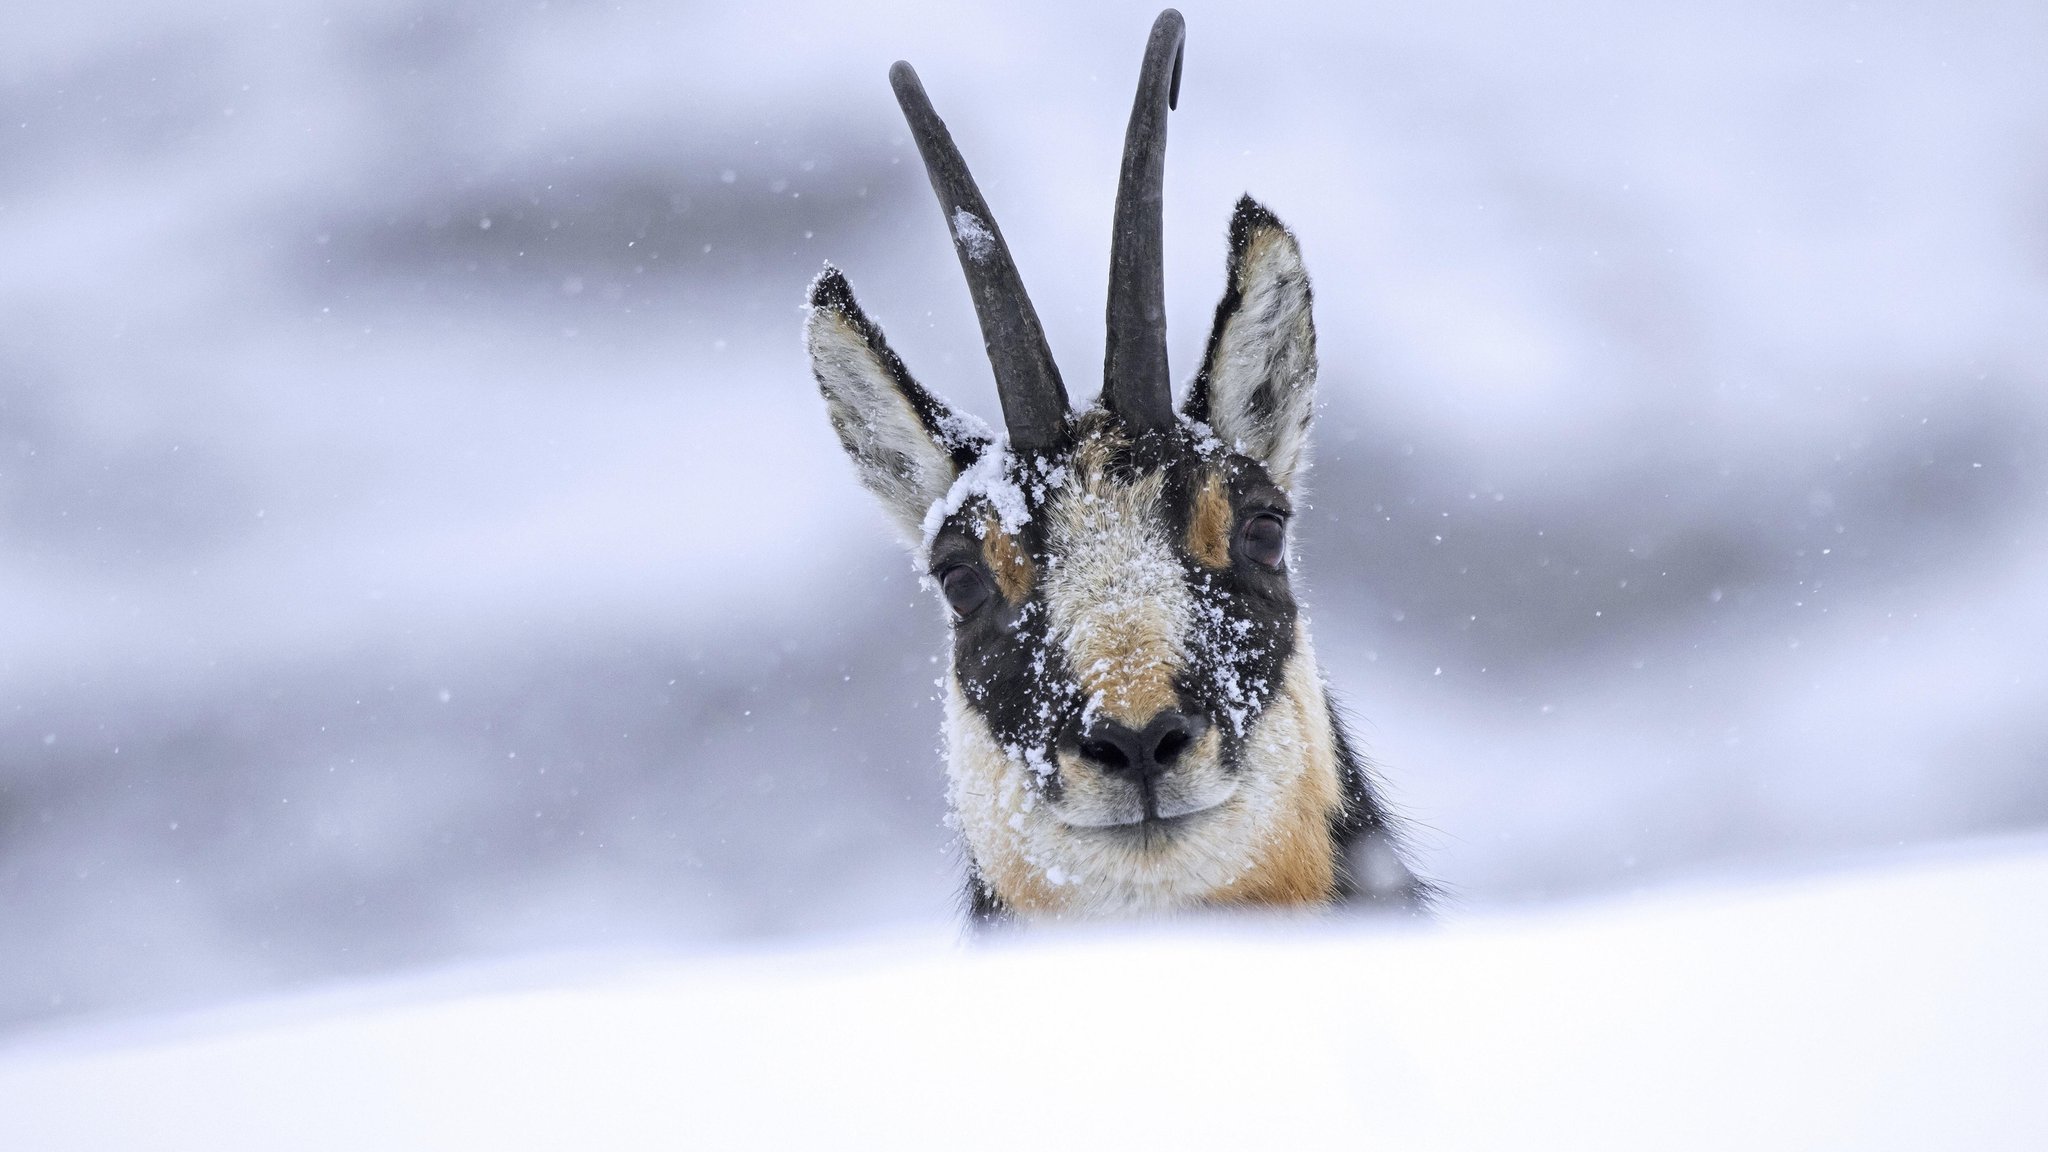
[
  {"x": 902, "y": 76},
  {"x": 1169, "y": 32}
]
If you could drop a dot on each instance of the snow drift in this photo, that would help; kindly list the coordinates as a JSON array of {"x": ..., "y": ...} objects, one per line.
[{"x": 1900, "y": 1008}]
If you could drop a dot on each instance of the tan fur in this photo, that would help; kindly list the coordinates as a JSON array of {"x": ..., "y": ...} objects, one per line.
[
  {"x": 1022, "y": 887},
  {"x": 1010, "y": 564},
  {"x": 1210, "y": 523},
  {"x": 1129, "y": 669},
  {"x": 1298, "y": 866},
  {"x": 993, "y": 800},
  {"x": 1117, "y": 598}
]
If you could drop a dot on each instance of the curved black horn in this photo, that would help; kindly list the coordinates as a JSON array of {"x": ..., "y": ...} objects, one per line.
[
  {"x": 1135, "y": 383},
  {"x": 1034, "y": 400}
]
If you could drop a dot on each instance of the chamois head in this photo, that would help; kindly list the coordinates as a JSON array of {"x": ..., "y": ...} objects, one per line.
[{"x": 1136, "y": 720}]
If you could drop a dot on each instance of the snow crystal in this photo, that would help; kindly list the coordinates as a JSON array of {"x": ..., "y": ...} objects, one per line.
[
  {"x": 959, "y": 429},
  {"x": 1089, "y": 710},
  {"x": 989, "y": 478},
  {"x": 1206, "y": 443},
  {"x": 1048, "y": 478},
  {"x": 975, "y": 238},
  {"x": 1223, "y": 641}
]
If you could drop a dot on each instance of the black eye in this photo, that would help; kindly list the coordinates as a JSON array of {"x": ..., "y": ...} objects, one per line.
[
  {"x": 1263, "y": 539},
  {"x": 964, "y": 587}
]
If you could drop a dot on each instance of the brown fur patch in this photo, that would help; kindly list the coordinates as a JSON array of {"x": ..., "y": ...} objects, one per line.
[
  {"x": 1011, "y": 566},
  {"x": 1129, "y": 659},
  {"x": 1299, "y": 864},
  {"x": 1136, "y": 683},
  {"x": 1209, "y": 524},
  {"x": 1021, "y": 886}
]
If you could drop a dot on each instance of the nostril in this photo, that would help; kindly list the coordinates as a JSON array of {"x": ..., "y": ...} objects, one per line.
[
  {"x": 1171, "y": 746},
  {"x": 1106, "y": 754},
  {"x": 1116, "y": 749}
]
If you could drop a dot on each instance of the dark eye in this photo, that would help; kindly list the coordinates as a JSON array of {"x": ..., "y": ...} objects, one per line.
[
  {"x": 964, "y": 588},
  {"x": 1264, "y": 539}
]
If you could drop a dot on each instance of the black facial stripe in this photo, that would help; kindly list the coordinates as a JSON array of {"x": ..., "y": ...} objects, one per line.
[
  {"x": 1012, "y": 676},
  {"x": 1239, "y": 648},
  {"x": 1244, "y": 635},
  {"x": 1018, "y": 681}
]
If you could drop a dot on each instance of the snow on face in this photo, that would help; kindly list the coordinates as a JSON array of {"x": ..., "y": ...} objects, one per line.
[{"x": 1128, "y": 614}]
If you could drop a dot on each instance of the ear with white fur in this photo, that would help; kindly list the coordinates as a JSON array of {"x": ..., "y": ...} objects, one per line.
[
  {"x": 1256, "y": 389},
  {"x": 906, "y": 444}
]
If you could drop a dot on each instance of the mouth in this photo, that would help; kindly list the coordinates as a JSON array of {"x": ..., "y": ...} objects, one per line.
[
  {"x": 1152, "y": 829},
  {"x": 1145, "y": 820}
]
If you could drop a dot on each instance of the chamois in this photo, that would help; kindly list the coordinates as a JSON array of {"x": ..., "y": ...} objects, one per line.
[{"x": 1135, "y": 719}]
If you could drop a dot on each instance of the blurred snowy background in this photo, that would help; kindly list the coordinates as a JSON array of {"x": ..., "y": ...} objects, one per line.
[{"x": 420, "y": 539}]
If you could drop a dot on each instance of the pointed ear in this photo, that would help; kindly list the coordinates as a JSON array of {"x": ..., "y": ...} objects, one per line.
[
  {"x": 1256, "y": 389},
  {"x": 906, "y": 445}
]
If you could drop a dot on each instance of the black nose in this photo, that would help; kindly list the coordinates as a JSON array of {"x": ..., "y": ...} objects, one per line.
[{"x": 1119, "y": 749}]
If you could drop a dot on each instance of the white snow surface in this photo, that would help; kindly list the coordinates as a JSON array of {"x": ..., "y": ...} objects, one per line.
[{"x": 1898, "y": 1007}]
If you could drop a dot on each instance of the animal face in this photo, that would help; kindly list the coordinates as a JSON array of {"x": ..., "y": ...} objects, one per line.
[
  {"x": 1135, "y": 718},
  {"x": 1127, "y": 722}
]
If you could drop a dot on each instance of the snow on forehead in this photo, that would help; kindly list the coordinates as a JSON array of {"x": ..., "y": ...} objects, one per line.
[
  {"x": 1001, "y": 477},
  {"x": 1013, "y": 485}
]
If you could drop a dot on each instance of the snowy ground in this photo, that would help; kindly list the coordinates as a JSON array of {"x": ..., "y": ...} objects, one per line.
[
  {"x": 1896, "y": 1008},
  {"x": 420, "y": 540}
]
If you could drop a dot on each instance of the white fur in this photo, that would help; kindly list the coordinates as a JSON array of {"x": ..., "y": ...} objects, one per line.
[
  {"x": 896, "y": 458},
  {"x": 1268, "y": 342}
]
